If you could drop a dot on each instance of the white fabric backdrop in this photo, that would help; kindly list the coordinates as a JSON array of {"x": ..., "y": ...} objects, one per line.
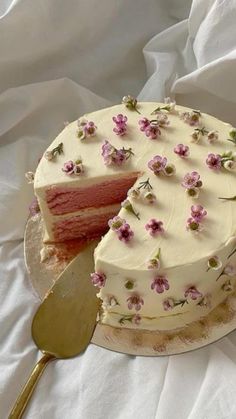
[{"x": 59, "y": 59}]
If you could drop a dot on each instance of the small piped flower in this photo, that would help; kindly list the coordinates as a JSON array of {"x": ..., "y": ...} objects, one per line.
[
  {"x": 130, "y": 102},
  {"x": 155, "y": 263},
  {"x": 182, "y": 150},
  {"x": 73, "y": 168},
  {"x": 134, "y": 193},
  {"x": 98, "y": 279},
  {"x": 29, "y": 177},
  {"x": 116, "y": 222},
  {"x": 191, "y": 180},
  {"x": 51, "y": 154},
  {"x": 128, "y": 207},
  {"x": 86, "y": 128},
  {"x": 113, "y": 156},
  {"x": 214, "y": 263},
  {"x": 192, "y": 118},
  {"x": 168, "y": 304},
  {"x": 193, "y": 293},
  {"x": 198, "y": 212},
  {"x": 150, "y": 128},
  {"x": 129, "y": 284},
  {"x": 162, "y": 119},
  {"x": 160, "y": 284},
  {"x": 197, "y": 134},
  {"x": 193, "y": 225},
  {"x": 143, "y": 123},
  {"x": 169, "y": 169},
  {"x": 154, "y": 227},
  {"x": 193, "y": 192},
  {"x": 135, "y": 301},
  {"x": 230, "y": 165},
  {"x": 212, "y": 136},
  {"x": 157, "y": 164},
  {"x": 213, "y": 161},
  {"x": 152, "y": 131},
  {"x": 228, "y": 160},
  {"x": 125, "y": 233},
  {"x": 150, "y": 197},
  {"x": 121, "y": 124},
  {"x": 227, "y": 286}
]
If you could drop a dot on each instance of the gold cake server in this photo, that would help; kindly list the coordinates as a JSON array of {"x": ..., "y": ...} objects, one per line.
[{"x": 64, "y": 323}]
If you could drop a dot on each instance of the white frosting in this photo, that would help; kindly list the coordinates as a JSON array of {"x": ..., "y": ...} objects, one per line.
[{"x": 184, "y": 255}]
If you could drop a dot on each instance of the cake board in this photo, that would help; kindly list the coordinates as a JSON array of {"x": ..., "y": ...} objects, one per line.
[{"x": 55, "y": 258}]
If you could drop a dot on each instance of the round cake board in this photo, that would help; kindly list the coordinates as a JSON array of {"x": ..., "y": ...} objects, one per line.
[{"x": 44, "y": 264}]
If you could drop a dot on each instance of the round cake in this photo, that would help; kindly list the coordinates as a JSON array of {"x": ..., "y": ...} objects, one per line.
[{"x": 157, "y": 183}]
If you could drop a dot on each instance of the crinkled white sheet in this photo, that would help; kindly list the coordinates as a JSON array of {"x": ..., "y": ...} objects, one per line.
[{"x": 59, "y": 59}]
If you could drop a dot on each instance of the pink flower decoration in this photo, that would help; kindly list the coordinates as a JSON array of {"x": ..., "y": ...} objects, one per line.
[
  {"x": 144, "y": 123},
  {"x": 162, "y": 119},
  {"x": 153, "y": 131},
  {"x": 182, "y": 150},
  {"x": 160, "y": 284},
  {"x": 212, "y": 136},
  {"x": 135, "y": 301},
  {"x": 191, "y": 118},
  {"x": 150, "y": 128},
  {"x": 121, "y": 124},
  {"x": 168, "y": 304},
  {"x": 125, "y": 233},
  {"x": 157, "y": 164},
  {"x": 111, "y": 155},
  {"x": 69, "y": 167},
  {"x": 198, "y": 212},
  {"x": 193, "y": 225},
  {"x": 213, "y": 161},
  {"x": 90, "y": 129},
  {"x": 191, "y": 180},
  {"x": 154, "y": 227},
  {"x": 86, "y": 128},
  {"x": 116, "y": 222},
  {"x": 98, "y": 279},
  {"x": 73, "y": 168},
  {"x": 193, "y": 293}
]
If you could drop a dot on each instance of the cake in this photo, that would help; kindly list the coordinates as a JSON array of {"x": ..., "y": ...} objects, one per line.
[{"x": 157, "y": 183}]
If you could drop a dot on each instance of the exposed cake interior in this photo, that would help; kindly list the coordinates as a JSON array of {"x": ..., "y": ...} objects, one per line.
[{"x": 66, "y": 200}]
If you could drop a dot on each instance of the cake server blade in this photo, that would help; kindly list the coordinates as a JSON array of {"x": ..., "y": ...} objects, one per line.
[{"x": 65, "y": 321}]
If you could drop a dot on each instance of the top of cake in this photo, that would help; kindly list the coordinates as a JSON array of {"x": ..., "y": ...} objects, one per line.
[{"x": 184, "y": 164}]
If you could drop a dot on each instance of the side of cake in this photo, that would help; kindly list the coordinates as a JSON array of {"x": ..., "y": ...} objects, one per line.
[{"x": 170, "y": 254}]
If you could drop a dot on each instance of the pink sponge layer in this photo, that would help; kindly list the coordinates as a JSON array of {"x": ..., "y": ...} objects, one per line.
[
  {"x": 82, "y": 227},
  {"x": 64, "y": 200}
]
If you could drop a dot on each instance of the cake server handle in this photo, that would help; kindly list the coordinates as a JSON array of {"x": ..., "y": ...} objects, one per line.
[{"x": 26, "y": 393}]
